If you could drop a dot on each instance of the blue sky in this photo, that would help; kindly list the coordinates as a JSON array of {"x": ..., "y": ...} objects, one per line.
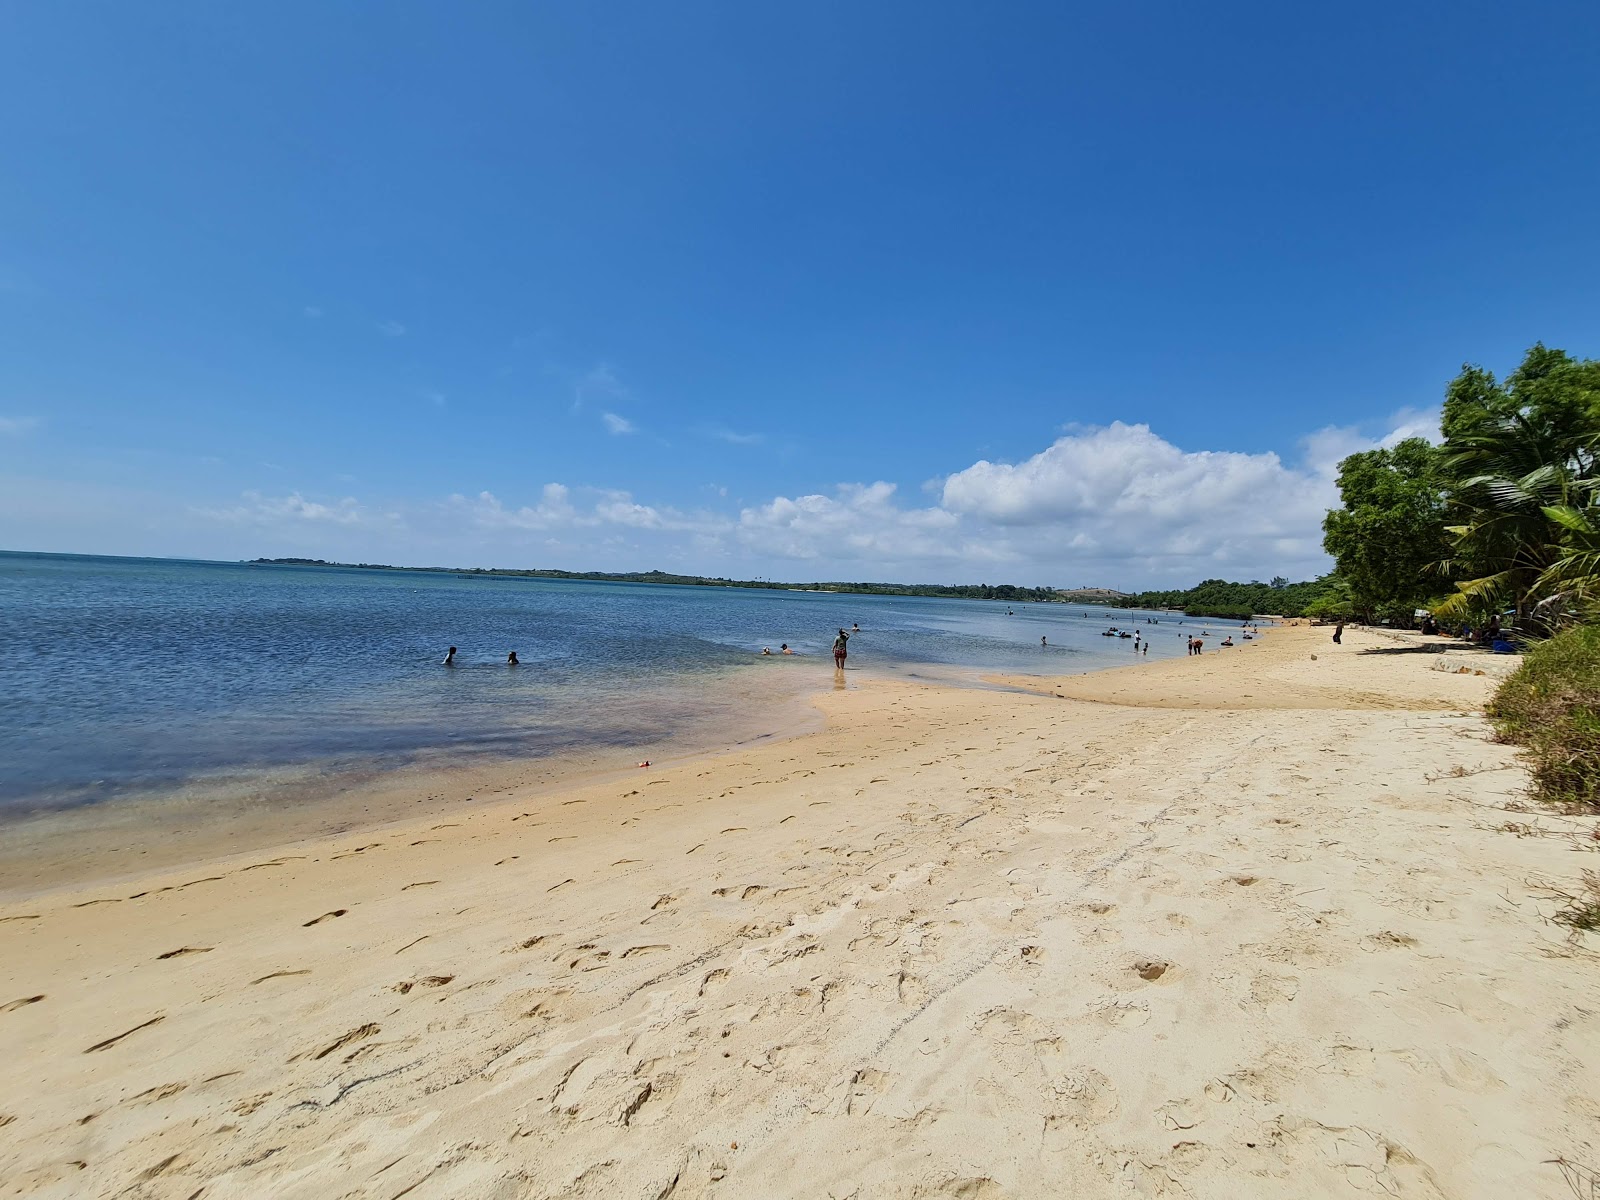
[{"x": 1049, "y": 293}]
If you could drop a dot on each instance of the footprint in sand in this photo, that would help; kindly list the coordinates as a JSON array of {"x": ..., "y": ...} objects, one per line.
[{"x": 427, "y": 981}]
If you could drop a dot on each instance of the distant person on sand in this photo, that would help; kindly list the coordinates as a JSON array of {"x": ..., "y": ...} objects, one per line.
[
  {"x": 839, "y": 651},
  {"x": 450, "y": 658},
  {"x": 1338, "y": 633},
  {"x": 512, "y": 660}
]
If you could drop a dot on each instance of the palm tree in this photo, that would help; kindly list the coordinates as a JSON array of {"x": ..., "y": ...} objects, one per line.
[{"x": 1525, "y": 462}]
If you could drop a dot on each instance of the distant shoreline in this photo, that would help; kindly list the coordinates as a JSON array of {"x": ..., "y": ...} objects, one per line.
[{"x": 1002, "y": 592}]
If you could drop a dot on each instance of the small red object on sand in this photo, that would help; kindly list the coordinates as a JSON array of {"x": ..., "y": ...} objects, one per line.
[{"x": 645, "y": 763}]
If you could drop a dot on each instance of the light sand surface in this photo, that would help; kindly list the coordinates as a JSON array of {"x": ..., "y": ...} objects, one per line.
[{"x": 1247, "y": 925}]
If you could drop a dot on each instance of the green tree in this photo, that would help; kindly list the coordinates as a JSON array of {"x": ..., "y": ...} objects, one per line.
[
  {"x": 1521, "y": 458},
  {"x": 1389, "y": 537}
]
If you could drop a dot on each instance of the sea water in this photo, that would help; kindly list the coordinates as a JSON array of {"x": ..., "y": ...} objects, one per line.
[{"x": 124, "y": 676}]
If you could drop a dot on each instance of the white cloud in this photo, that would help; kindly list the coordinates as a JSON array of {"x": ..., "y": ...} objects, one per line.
[
  {"x": 556, "y": 511},
  {"x": 553, "y": 511},
  {"x": 599, "y": 382},
  {"x": 734, "y": 438},
  {"x": 17, "y": 425},
  {"x": 312, "y": 311},
  {"x": 1117, "y": 506},
  {"x": 293, "y": 508},
  {"x": 391, "y": 329},
  {"x": 618, "y": 424}
]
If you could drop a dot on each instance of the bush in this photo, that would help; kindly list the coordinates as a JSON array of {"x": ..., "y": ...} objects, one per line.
[{"x": 1551, "y": 705}]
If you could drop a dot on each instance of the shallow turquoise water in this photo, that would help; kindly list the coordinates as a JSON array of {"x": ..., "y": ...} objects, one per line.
[{"x": 122, "y": 675}]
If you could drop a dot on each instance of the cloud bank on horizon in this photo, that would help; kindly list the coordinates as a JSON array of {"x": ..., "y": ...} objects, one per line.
[{"x": 1114, "y": 505}]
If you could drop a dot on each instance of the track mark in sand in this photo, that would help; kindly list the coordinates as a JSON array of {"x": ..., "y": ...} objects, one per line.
[
  {"x": 623, "y": 862},
  {"x": 1387, "y": 939},
  {"x": 20, "y": 917},
  {"x": 692, "y": 849},
  {"x": 408, "y": 945},
  {"x": 1033, "y": 955},
  {"x": 355, "y": 1035},
  {"x": 818, "y": 803},
  {"x": 713, "y": 979},
  {"x": 451, "y": 824},
  {"x": 182, "y": 950},
  {"x": 250, "y": 1103},
  {"x": 107, "y": 900},
  {"x": 160, "y": 1168},
  {"x": 1242, "y": 880},
  {"x": 22, "y": 1003},
  {"x": 428, "y": 981},
  {"x": 150, "y": 1095},
  {"x": 566, "y": 837},
  {"x": 787, "y": 819},
  {"x": 424, "y": 841},
  {"x": 327, "y": 916},
  {"x": 276, "y": 862},
  {"x": 744, "y": 894},
  {"x": 277, "y": 975},
  {"x": 564, "y": 803},
  {"x": 879, "y": 779},
  {"x": 562, "y": 884},
  {"x": 736, "y": 829},
  {"x": 112, "y": 1041},
  {"x": 196, "y": 882},
  {"x": 666, "y": 899},
  {"x": 504, "y": 861},
  {"x": 421, "y": 883},
  {"x": 528, "y": 944},
  {"x": 632, "y": 950},
  {"x": 1150, "y": 970}
]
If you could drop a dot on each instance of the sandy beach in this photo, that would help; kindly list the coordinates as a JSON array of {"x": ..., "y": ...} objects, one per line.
[{"x": 1254, "y": 924}]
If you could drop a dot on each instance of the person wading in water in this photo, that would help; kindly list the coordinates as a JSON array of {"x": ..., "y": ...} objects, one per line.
[{"x": 839, "y": 651}]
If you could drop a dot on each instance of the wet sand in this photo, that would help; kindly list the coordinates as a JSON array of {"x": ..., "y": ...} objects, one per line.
[{"x": 1248, "y": 925}]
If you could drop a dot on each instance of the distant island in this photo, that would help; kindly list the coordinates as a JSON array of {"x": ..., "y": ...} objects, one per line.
[{"x": 1213, "y": 598}]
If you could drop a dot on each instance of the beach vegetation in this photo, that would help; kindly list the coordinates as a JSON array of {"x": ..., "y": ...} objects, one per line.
[
  {"x": 1550, "y": 706},
  {"x": 1389, "y": 534},
  {"x": 1222, "y": 598},
  {"x": 1500, "y": 520}
]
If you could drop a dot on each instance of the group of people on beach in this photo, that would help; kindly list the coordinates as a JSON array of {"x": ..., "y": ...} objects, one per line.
[{"x": 840, "y": 646}]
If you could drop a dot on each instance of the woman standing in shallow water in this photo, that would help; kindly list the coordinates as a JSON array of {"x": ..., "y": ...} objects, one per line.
[{"x": 839, "y": 651}]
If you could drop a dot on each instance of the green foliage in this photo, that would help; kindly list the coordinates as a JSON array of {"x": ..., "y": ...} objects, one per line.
[
  {"x": 1390, "y": 534},
  {"x": 1523, "y": 460},
  {"x": 1551, "y": 706},
  {"x": 1219, "y": 598}
]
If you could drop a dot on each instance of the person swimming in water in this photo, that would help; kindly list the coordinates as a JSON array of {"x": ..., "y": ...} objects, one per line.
[
  {"x": 766, "y": 649},
  {"x": 1042, "y": 642},
  {"x": 512, "y": 660},
  {"x": 854, "y": 628},
  {"x": 784, "y": 649},
  {"x": 450, "y": 658},
  {"x": 840, "y": 651}
]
